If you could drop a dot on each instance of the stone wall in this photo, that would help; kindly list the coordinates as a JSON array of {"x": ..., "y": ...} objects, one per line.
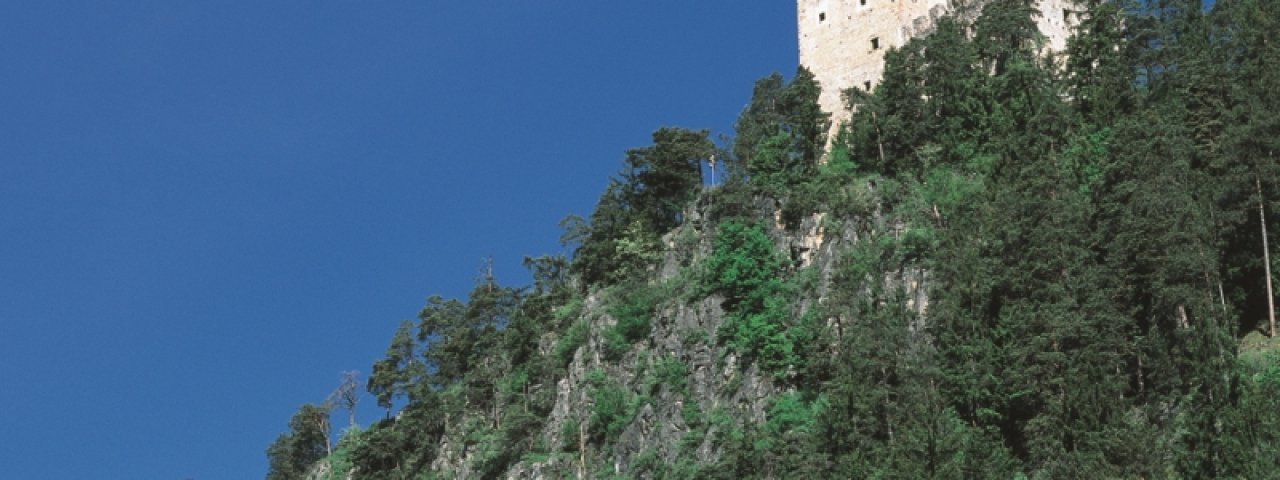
[
  {"x": 843, "y": 41},
  {"x": 1055, "y": 22}
]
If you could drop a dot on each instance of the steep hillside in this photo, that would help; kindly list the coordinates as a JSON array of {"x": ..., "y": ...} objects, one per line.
[
  {"x": 1005, "y": 266},
  {"x": 657, "y": 377}
]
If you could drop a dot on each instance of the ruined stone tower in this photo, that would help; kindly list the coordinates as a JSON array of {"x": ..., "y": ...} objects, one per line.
[{"x": 843, "y": 41}]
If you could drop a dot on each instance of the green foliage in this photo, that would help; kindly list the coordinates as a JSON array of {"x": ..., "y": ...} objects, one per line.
[
  {"x": 764, "y": 337},
  {"x": 782, "y": 132},
  {"x": 744, "y": 268},
  {"x": 691, "y": 413},
  {"x": 571, "y": 310},
  {"x": 536, "y": 457},
  {"x": 550, "y": 274},
  {"x": 393, "y": 376},
  {"x": 949, "y": 190},
  {"x": 569, "y": 432},
  {"x": 615, "y": 344},
  {"x": 633, "y": 312},
  {"x": 340, "y": 462},
  {"x": 761, "y": 118},
  {"x": 292, "y": 454},
  {"x": 663, "y": 178},
  {"x": 637, "y": 251},
  {"x": 402, "y": 447},
  {"x": 439, "y": 322},
  {"x": 1046, "y": 265},
  {"x": 657, "y": 182},
  {"x": 668, "y": 371},
  {"x": 734, "y": 200},
  {"x": 1099, "y": 72},
  {"x": 613, "y": 407},
  {"x": 595, "y": 259},
  {"x": 573, "y": 338},
  {"x": 697, "y": 337},
  {"x": 790, "y": 412},
  {"x": 771, "y": 167}
]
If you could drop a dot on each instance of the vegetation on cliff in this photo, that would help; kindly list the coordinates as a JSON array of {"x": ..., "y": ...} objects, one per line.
[{"x": 1017, "y": 266}]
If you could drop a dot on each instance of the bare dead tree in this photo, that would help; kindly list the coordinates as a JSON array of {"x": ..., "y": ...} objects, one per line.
[
  {"x": 486, "y": 272},
  {"x": 347, "y": 395}
]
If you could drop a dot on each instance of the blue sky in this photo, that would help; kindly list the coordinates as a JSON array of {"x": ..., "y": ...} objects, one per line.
[{"x": 210, "y": 209}]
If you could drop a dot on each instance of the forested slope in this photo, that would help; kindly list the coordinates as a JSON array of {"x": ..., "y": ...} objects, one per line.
[{"x": 1008, "y": 265}]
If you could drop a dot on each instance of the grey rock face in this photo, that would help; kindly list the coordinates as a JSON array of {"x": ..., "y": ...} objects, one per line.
[{"x": 684, "y": 329}]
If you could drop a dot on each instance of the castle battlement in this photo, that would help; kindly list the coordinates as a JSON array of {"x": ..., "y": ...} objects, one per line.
[{"x": 843, "y": 41}]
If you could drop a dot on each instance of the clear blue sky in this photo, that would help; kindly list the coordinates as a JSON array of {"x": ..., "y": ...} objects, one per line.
[{"x": 210, "y": 209}]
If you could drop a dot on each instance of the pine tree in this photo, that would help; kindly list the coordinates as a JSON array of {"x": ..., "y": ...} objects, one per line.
[
  {"x": 660, "y": 180},
  {"x": 292, "y": 455},
  {"x": 782, "y": 132},
  {"x": 1248, "y": 165},
  {"x": 1099, "y": 63},
  {"x": 394, "y": 375}
]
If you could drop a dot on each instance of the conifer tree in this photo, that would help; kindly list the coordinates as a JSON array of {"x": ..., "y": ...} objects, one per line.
[
  {"x": 661, "y": 179},
  {"x": 782, "y": 132},
  {"x": 1249, "y": 165},
  {"x": 761, "y": 118},
  {"x": 394, "y": 375},
  {"x": 1099, "y": 63},
  {"x": 292, "y": 454}
]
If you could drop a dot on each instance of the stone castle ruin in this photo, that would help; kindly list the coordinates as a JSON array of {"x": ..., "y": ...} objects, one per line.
[{"x": 843, "y": 41}]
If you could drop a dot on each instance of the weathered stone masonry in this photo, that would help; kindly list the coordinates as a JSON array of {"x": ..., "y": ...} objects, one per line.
[{"x": 843, "y": 41}]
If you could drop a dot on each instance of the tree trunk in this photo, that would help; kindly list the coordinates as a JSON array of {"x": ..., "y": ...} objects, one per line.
[
  {"x": 1142, "y": 384},
  {"x": 582, "y": 450},
  {"x": 1266, "y": 258},
  {"x": 879, "y": 143},
  {"x": 322, "y": 421},
  {"x": 497, "y": 412},
  {"x": 888, "y": 420},
  {"x": 1222, "y": 296}
]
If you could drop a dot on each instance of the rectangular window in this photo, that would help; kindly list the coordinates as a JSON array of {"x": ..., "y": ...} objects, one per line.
[
  {"x": 875, "y": 43},
  {"x": 866, "y": 85},
  {"x": 822, "y": 17},
  {"x": 862, "y": 2}
]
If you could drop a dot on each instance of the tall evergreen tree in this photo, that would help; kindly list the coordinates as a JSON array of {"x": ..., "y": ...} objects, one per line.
[
  {"x": 442, "y": 327},
  {"x": 663, "y": 178},
  {"x": 761, "y": 119},
  {"x": 954, "y": 89},
  {"x": 890, "y": 125},
  {"x": 1100, "y": 64},
  {"x": 782, "y": 132},
  {"x": 1249, "y": 165},
  {"x": 394, "y": 375},
  {"x": 292, "y": 455}
]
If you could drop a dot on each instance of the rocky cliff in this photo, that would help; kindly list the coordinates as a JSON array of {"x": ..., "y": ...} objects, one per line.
[{"x": 682, "y": 391}]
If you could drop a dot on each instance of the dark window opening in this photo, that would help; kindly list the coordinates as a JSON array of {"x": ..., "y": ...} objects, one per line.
[
  {"x": 866, "y": 85},
  {"x": 862, "y": 2},
  {"x": 822, "y": 17},
  {"x": 875, "y": 43},
  {"x": 1066, "y": 15}
]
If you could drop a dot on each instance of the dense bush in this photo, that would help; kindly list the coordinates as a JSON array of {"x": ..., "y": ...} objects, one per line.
[{"x": 746, "y": 270}]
